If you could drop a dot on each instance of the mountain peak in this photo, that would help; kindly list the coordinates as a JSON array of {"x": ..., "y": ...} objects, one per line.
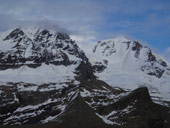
[
  {"x": 38, "y": 45},
  {"x": 131, "y": 55},
  {"x": 37, "y": 49},
  {"x": 129, "y": 64}
]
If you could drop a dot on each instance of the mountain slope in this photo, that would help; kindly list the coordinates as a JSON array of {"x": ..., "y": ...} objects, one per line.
[
  {"x": 47, "y": 81},
  {"x": 129, "y": 64}
]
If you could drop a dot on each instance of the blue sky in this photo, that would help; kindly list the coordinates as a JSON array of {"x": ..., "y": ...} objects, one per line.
[
  {"x": 145, "y": 20},
  {"x": 92, "y": 20}
]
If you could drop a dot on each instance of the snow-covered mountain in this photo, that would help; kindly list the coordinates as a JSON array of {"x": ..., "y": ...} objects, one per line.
[
  {"x": 40, "y": 69},
  {"x": 129, "y": 64},
  {"x": 46, "y": 80},
  {"x": 36, "y": 54}
]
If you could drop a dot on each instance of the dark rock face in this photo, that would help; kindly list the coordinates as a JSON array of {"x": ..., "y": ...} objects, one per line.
[
  {"x": 153, "y": 70},
  {"x": 151, "y": 57},
  {"x": 80, "y": 115},
  {"x": 15, "y": 34},
  {"x": 156, "y": 123},
  {"x": 99, "y": 67},
  {"x": 136, "y": 110},
  {"x": 139, "y": 97},
  {"x": 136, "y": 47},
  {"x": 152, "y": 67},
  {"x": 62, "y": 36},
  {"x": 85, "y": 71}
]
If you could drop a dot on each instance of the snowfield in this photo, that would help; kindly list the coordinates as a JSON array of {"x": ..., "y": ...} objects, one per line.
[{"x": 43, "y": 74}]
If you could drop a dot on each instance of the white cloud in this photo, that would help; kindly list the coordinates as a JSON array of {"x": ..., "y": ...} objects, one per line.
[
  {"x": 72, "y": 16},
  {"x": 167, "y": 54},
  {"x": 86, "y": 43}
]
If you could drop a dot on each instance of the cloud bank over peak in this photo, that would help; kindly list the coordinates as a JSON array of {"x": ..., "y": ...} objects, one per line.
[{"x": 89, "y": 21}]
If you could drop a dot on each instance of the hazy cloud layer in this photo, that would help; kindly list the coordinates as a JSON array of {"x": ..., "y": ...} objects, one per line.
[
  {"x": 91, "y": 20},
  {"x": 73, "y": 16}
]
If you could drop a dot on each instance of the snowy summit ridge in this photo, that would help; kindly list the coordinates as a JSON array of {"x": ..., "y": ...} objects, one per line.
[
  {"x": 131, "y": 55},
  {"x": 37, "y": 46}
]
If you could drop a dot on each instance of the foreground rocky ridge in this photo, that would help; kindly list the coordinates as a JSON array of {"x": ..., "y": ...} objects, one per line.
[{"x": 90, "y": 104}]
